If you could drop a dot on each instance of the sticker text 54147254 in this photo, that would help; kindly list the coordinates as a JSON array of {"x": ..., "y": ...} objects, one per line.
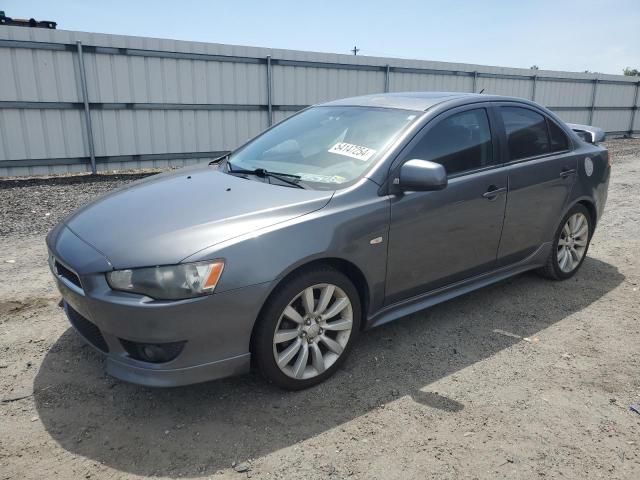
[{"x": 354, "y": 151}]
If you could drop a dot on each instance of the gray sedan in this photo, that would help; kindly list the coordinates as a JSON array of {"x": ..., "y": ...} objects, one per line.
[{"x": 346, "y": 216}]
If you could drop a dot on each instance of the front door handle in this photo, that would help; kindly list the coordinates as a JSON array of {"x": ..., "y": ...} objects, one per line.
[
  {"x": 565, "y": 172},
  {"x": 493, "y": 192}
]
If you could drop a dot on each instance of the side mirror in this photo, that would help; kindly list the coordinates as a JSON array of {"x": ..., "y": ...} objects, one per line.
[{"x": 421, "y": 176}]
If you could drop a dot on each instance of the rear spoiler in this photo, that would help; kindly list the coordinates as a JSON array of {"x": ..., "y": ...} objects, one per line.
[{"x": 588, "y": 133}]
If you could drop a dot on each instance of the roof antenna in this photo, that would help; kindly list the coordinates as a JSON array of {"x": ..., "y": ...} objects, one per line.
[{"x": 481, "y": 91}]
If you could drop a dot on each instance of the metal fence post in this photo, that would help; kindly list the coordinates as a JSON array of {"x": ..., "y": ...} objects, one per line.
[
  {"x": 475, "y": 82},
  {"x": 533, "y": 88},
  {"x": 269, "y": 91},
  {"x": 387, "y": 71},
  {"x": 593, "y": 100},
  {"x": 87, "y": 112},
  {"x": 634, "y": 108}
]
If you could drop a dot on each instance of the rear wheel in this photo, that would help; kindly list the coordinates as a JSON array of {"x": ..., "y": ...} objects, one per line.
[
  {"x": 307, "y": 328},
  {"x": 570, "y": 245}
]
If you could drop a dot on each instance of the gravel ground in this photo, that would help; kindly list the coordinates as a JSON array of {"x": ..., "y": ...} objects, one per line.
[
  {"x": 524, "y": 379},
  {"x": 32, "y": 206}
]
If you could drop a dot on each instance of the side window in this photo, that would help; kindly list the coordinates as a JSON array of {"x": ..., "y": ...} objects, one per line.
[
  {"x": 526, "y": 132},
  {"x": 559, "y": 141},
  {"x": 460, "y": 142}
]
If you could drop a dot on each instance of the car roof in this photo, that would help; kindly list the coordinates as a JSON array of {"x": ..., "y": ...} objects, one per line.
[{"x": 419, "y": 101}]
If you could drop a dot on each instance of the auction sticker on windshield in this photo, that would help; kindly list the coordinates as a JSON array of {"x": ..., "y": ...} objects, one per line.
[{"x": 354, "y": 151}]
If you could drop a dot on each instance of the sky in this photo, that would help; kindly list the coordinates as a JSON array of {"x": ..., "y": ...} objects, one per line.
[{"x": 573, "y": 35}]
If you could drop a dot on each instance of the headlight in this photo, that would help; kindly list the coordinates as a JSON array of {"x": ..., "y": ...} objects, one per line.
[{"x": 172, "y": 282}]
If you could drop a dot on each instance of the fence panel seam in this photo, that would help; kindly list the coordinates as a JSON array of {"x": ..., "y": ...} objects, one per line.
[{"x": 87, "y": 109}]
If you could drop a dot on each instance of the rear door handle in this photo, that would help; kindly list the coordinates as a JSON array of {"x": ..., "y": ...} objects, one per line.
[
  {"x": 565, "y": 172},
  {"x": 493, "y": 192}
]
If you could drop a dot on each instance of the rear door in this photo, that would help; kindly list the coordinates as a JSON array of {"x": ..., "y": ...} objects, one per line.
[
  {"x": 541, "y": 172},
  {"x": 437, "y": 238}
]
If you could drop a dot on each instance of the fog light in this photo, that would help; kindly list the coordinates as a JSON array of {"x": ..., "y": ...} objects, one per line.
[{"x": 153, "y": 352}]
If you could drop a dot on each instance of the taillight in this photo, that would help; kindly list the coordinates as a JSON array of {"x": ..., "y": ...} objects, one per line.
[{"x": 609, "y": 161}]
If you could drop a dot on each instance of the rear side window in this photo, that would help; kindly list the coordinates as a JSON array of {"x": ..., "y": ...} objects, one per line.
[
  {"x": 559, "y": 140},
  {"x": 526, "y": 132},
  {"x": 460, "y": 142}
]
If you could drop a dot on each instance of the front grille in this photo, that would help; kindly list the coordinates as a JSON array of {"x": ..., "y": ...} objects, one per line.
[
  {"x": 68, "y": 274},
  {"x": 88, "y": 330}
]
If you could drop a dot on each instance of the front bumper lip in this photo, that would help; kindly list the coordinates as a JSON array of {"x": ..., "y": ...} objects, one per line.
[
  {"x": 216, "y": 328},
  {"x": 174, "y": 377}
]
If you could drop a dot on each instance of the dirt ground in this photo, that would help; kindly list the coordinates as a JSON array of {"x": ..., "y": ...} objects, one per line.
[{"x": 525, "y": 379}]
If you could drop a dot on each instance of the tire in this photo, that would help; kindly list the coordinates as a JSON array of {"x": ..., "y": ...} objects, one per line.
[
  {"x": 554, "y": 268},
  {"x": 321, "y": 336}
]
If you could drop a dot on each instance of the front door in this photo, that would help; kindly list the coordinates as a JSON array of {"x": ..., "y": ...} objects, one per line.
[{"x": 440, "y": 237}]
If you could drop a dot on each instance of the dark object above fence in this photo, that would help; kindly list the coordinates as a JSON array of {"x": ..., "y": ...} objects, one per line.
[{"x": 21, "y": 22}]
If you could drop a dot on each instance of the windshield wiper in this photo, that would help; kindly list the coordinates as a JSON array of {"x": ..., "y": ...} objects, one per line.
[{"x": 287, "y": 178}]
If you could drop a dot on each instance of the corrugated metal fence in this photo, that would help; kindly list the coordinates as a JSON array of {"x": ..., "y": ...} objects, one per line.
[{"x": 70, "y": 101}]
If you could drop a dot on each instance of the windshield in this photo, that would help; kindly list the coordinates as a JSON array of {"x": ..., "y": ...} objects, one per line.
[{"x": 326, "y": 147}]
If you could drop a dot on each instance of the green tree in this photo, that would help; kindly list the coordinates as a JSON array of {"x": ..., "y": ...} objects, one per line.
[{"x": 631, "y": 72}]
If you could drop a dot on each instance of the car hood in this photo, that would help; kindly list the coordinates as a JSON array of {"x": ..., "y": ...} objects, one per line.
[{"x": 165, "y": 218}]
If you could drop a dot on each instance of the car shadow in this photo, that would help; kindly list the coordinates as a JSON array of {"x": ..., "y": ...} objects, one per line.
[{"x": 199, "y": 429}]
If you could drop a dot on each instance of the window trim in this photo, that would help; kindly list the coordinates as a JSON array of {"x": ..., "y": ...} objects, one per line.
[
  {"x": 403, "y": 155},
  {"x": 566, "y": 138},
  {"x": 505, "y": 154}
]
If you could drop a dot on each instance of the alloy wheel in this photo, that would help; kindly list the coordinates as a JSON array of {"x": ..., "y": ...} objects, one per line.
[
  {"x": 313, "y": 331},
  {"x": 573, "y": 242}
]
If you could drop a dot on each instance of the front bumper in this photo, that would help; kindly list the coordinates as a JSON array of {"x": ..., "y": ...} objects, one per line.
[{"x": 215, "y": 329}]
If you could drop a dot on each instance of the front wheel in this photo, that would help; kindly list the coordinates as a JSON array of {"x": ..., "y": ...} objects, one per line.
[
  {"x": 570, "y": 244},
  {"x": 307, "y": 328}
]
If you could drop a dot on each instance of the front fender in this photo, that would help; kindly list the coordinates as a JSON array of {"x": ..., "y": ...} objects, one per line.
[{"x": 341, "y": 230}]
